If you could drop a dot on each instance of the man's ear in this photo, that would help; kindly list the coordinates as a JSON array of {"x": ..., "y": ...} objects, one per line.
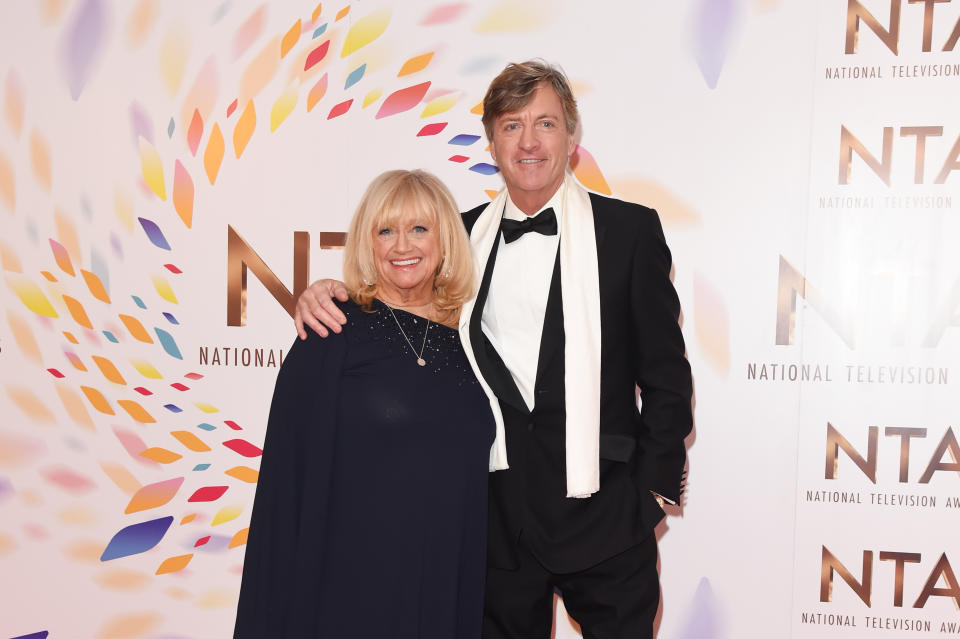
[{"x": 493, "y": 152}]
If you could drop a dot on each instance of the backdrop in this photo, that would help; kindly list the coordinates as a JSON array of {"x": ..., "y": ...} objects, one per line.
[{"x": 172, "y": 173}]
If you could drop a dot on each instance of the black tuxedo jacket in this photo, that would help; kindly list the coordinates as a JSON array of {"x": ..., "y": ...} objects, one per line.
[{"x": 640, "y": 451}]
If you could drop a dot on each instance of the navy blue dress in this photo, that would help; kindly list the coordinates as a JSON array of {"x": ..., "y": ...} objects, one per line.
[{"x": 370, "y": 516}]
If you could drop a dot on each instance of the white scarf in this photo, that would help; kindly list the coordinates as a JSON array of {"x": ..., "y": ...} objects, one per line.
[{"x": 580, "y": 288}]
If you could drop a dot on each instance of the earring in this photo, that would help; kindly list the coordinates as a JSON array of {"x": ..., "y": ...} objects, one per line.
[{"x": 367, "y": 282}]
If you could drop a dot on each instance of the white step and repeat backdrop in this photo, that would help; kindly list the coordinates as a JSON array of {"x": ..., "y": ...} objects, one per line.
[{"x": 171, "y": 172}]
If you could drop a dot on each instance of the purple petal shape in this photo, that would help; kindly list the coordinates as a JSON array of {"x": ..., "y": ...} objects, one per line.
[
  {"x": 136, "y": 539},
  {"x": 43, "y": 634},
  {"x": 713, "y": 28},
  {"x": 6, "y": 488},
  {"x": 464, "y": 140},
  {"x": 702, "y": 617},
  {"x": 116, "y": 245},
  {"x": 142, "y": 125},
  {"x": 166, "y": 340},
  {"x": 154, "y": 233},
  {"x": 81, "y": 44},
  {"x": 484, "y": 169},
  {"x": 216, "y": 544}
]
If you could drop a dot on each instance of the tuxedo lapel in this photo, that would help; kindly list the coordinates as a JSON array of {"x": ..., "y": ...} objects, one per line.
[
  {"x": 489, "y": 362},
  {"x": 552, "y": 338}
]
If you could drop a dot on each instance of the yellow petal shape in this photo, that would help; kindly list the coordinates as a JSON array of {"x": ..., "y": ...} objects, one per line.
[
  {"x": 29, "y": 403},
  {"x": 152, "y": 169},
  {"x": 190, "y": 440},
  {"x": 95, "y": 286},
  {"x": 282, "y": 108},
  {"x": 365, "y": 30},
  {"x": 77, "y": 311},
  {"x": 136, "y": 329},
  {"x": 225, "y": 514},
  {"x": 97, "y": 400},
  {"x": 31, "y": 296},
  {"x": 173, "y": 57},
  {"x": 290, "y": 39},
  {"x": 108, "y": 369},
  {"x": 239, "y": 539},
  {"x": 124, "y": 209},
  {"x": 146, "y": 369},
  {"x": 75, "y": 408},
  {"x": 317, "y": 92},
  {"x": 8, "y": 183},
  {"x": 9, "y": 260},
  {"x": 415, "y": 64},
  {"x": 123, "y": 580},
  {"x": 24, "y": 338},
  {"x": 183, "y": 194},
  {"x": 160, "y": 455},
  {"x": 163, "y": 289},
  {"x": 439, "y": 105},
  {"x": 371, "y": 97},
  {"x": 121, "y": 477},
  {"x": 511, "y": 16},
  {"x": 244, "y": 129},
  {"x": 243, "y": 473},
  {"x": 213, "y": 155},
  {"x": 40, "y": 160},
  {"x": 207, "y": 408},
  {"x": 174, "y": 564},
  {"x": 136, "y": 411}
]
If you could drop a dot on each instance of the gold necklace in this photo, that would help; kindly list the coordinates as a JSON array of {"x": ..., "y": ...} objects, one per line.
[{"x": 420, "y": 360}]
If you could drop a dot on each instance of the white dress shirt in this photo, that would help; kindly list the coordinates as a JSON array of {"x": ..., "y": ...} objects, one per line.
[{"x": 517, "y": 300}]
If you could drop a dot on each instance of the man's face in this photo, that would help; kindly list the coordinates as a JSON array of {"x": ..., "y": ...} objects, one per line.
[{"x": 532, "y": 146}]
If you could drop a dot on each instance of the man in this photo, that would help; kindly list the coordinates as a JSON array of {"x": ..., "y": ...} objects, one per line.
[{"x": 575, "y": 310}]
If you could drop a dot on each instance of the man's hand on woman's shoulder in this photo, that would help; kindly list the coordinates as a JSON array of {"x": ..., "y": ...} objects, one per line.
[{"x": 316, "y": 308}]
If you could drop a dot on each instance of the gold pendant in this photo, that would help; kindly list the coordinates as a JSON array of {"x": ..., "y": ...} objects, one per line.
[{"x": 421, "y": 361}]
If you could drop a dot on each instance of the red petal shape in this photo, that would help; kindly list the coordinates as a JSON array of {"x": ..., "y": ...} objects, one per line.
[
  {"x": 180, "y": 387},
  {"x": 195, "y": 132},
  {"x": 142, "y": 390},
  {"x": 232, "y": 107},
  {"x": 173, "y": 269},
  {"x": 432, "y": 129},
  {"x": 316, "y": 55},
  {"x": 243, "y": 447},
  {"x": 232, "y": 424},
  {"x": 55, "y": 372},
  {"x": 403, "y": 100},
  {"x": 208, "y": 493},
  {"x": 458, "y": 158},
  {"x": 340, "y": 109}
]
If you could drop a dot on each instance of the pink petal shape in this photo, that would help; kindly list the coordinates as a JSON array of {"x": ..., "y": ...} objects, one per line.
[
  {"x": 195, "y": 132},
  {"x": 403, "y": 100}
]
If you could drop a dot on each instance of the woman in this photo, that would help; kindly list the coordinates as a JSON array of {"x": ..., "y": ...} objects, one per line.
[{"x": 372, "y": 524}]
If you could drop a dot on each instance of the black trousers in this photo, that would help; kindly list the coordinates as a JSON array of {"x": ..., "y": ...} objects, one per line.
[{"x": 616, "y": 599}]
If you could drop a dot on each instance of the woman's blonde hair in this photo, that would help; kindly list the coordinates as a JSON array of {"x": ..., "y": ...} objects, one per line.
[{"x": 390, "y": 197}]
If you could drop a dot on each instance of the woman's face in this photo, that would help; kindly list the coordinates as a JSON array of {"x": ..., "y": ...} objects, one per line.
[{"x": 407, "y": 254}]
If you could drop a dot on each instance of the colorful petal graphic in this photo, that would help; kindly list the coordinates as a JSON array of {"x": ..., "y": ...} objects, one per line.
[
  {"x": 68, "y": 480},
  {"x": 364, "y": 31},
  {"x": 23, "y": 335},
  {"x": 97, "y": 400},
  {"x": 195, "y": 132},
  {"x": 240, "y": 538},
  {"x": 290, "y": 38},
  {"x": 8, "y": 183},
  {"x": 225, "y": 514},
  {"x": 355, "y": 76},
  {"x": 208, "y": 493},
  {"x": 458, "y": 158},
  {"x": 154, "y": 495},
  {"x": 136, "y": 329},
  {"x": 81, "y": 44},
  {"x": 173, "y": 56},
  {"x": 168, "y": 343},
  {"x": 30, "y": 404},
  {"x": 432, "y": 129},
  {"x": 243, "y": 473},
  {"x": 371, "y": 97},
  {"x": 403, "y": 100},
  {"x": 13, "y": 103},
  {"x": 201, "y": 98},
  {"x": 444, "y": 14},
  {"x": 77, "y": 312},
  {"x": 95, "y": 286},
  {"x": 243, "y": 447},
  {"x": 62, "y": 257},
  {"x": 160, "y": 455},
  {"x": 152, "y": 168},
  {"x": 316, "y": 55},
  {"x": 463, "y": 139},
  {"x": 249, "y": 31},
  {"x": 712, "y": 33},
  {"x": 191, "y": 441},
  {"x": 154, "y": 234},
  {"x": 283, "y": 107},
  {"x": 163, "y": 289},
  {"x": 174, "y": 564},
  {"x": 146, "y": 369},
  {"x": 317, "y": 92},
  {"x": 136, "y": 539},
  {"x": 74, "y": 406},
  {"x": 509, "y": 16},
  {"x": 440, "y": 104},
  {"x": 417, "y": 63},
  {"x": 244, "y": 129},
  {"x": 40, "y": 160},
  {"x": 213, "y": 155},
  {"x": 109, "y": 370},
  {"x": 342, "y": 13},
  {"x": 183, "y": 194},
  {"x": 484, "y": 169},
  {"x": 586, "y": 170},
  {"x": 339, "y": 109}
]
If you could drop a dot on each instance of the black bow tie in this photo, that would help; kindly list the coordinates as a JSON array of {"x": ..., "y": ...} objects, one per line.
[{"x": 544, "y": 222}]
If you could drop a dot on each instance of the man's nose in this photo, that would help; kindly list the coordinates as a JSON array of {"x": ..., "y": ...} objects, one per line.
[{"x": 528, "y": 138}]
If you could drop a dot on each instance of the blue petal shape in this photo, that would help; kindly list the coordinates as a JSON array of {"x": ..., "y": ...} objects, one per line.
[
  {"x": 355, "y": 76},
  {"x": 85, "y": 207},
  {"x": 201, "y": 466},
  {"x": 481, "y": 65},
  {"x": 171, "y": 128},
  {"x": 166, "y": 340},
  {"x": 464, "y": 140},
  {"x": 139, "y": 302},
  {"x": 713, "y": 29},
  {"x": 81, "y": 44},
  {"x": 484, "y": 169},
  {"x": 136, "y": 539},
  {"x": 320, "y": 30},
  {"x": 206, "y": 426},
  {"x": 173, "y": 408},
  {"x": 220, "y": 12},
  {"x": 110, "y": 336},
  {"x": 171, "y": 318},
  {"x": 702, "y": 616},
  {"x": 154, "y": 233}
]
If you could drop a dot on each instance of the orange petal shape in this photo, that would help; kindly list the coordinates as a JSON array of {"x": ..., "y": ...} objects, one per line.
[
  {"x": 30, "y": 404},
  {"x": 77, "y": 311},
  {"x": 174, "y": 564},
  {"x": 95, "y": 286},
  {"x": 290, "y": 39},
  {"x": 40, "y": 160},
  {"x": 74, "y": 405},
  {"x": 243, "y": 473},
  {"x": 154, "y": 495},
  {"x": 239, "y": 539},
  {"x": 260, "y": 71},
  {"x": 415, "y": 64},
  {"x": 13, "y": 104},
  {"x": 316, "y": 12},
  {"x": 711, "y": 325},
  {"x": 97, "y": 400},
  {"x": 213, "y": 155},
  {"x": 121, "y": 477},
  {"x": 67, "y": 235},
  {"x": 365, "y": 30},
  {"x": 9, "y": 260},
  {"x": 136, "y": 329},
  {"x": 136, "y": 411},
  {"x": 124, "y": 209},
  {"x": 587, "y": 172},
  {"x": 342, "y": 13},
  {"x": 140, "y": 21},
  {"x": 190, "y": 440},
  {"x": 317, "y": 92},
  {"x": 183, "y": 194},
  {"x": 201, "y": 99},
  {"x": 152, "y": 168},
  {"x": 195, "y": 132},
  {"x": 108, "y": 369},
  {"x": 62, "y": 257},
  {"x": 24, "y": 338},
  {"x": 8, "y": 183},
  {"x": 244, "y": 129},
  {"x": 160, "y": 455},
  {"x": 403, "y": 100}
]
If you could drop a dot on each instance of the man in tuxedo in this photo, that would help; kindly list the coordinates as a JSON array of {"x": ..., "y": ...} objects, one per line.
[{"x": 575, "y": 311}]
